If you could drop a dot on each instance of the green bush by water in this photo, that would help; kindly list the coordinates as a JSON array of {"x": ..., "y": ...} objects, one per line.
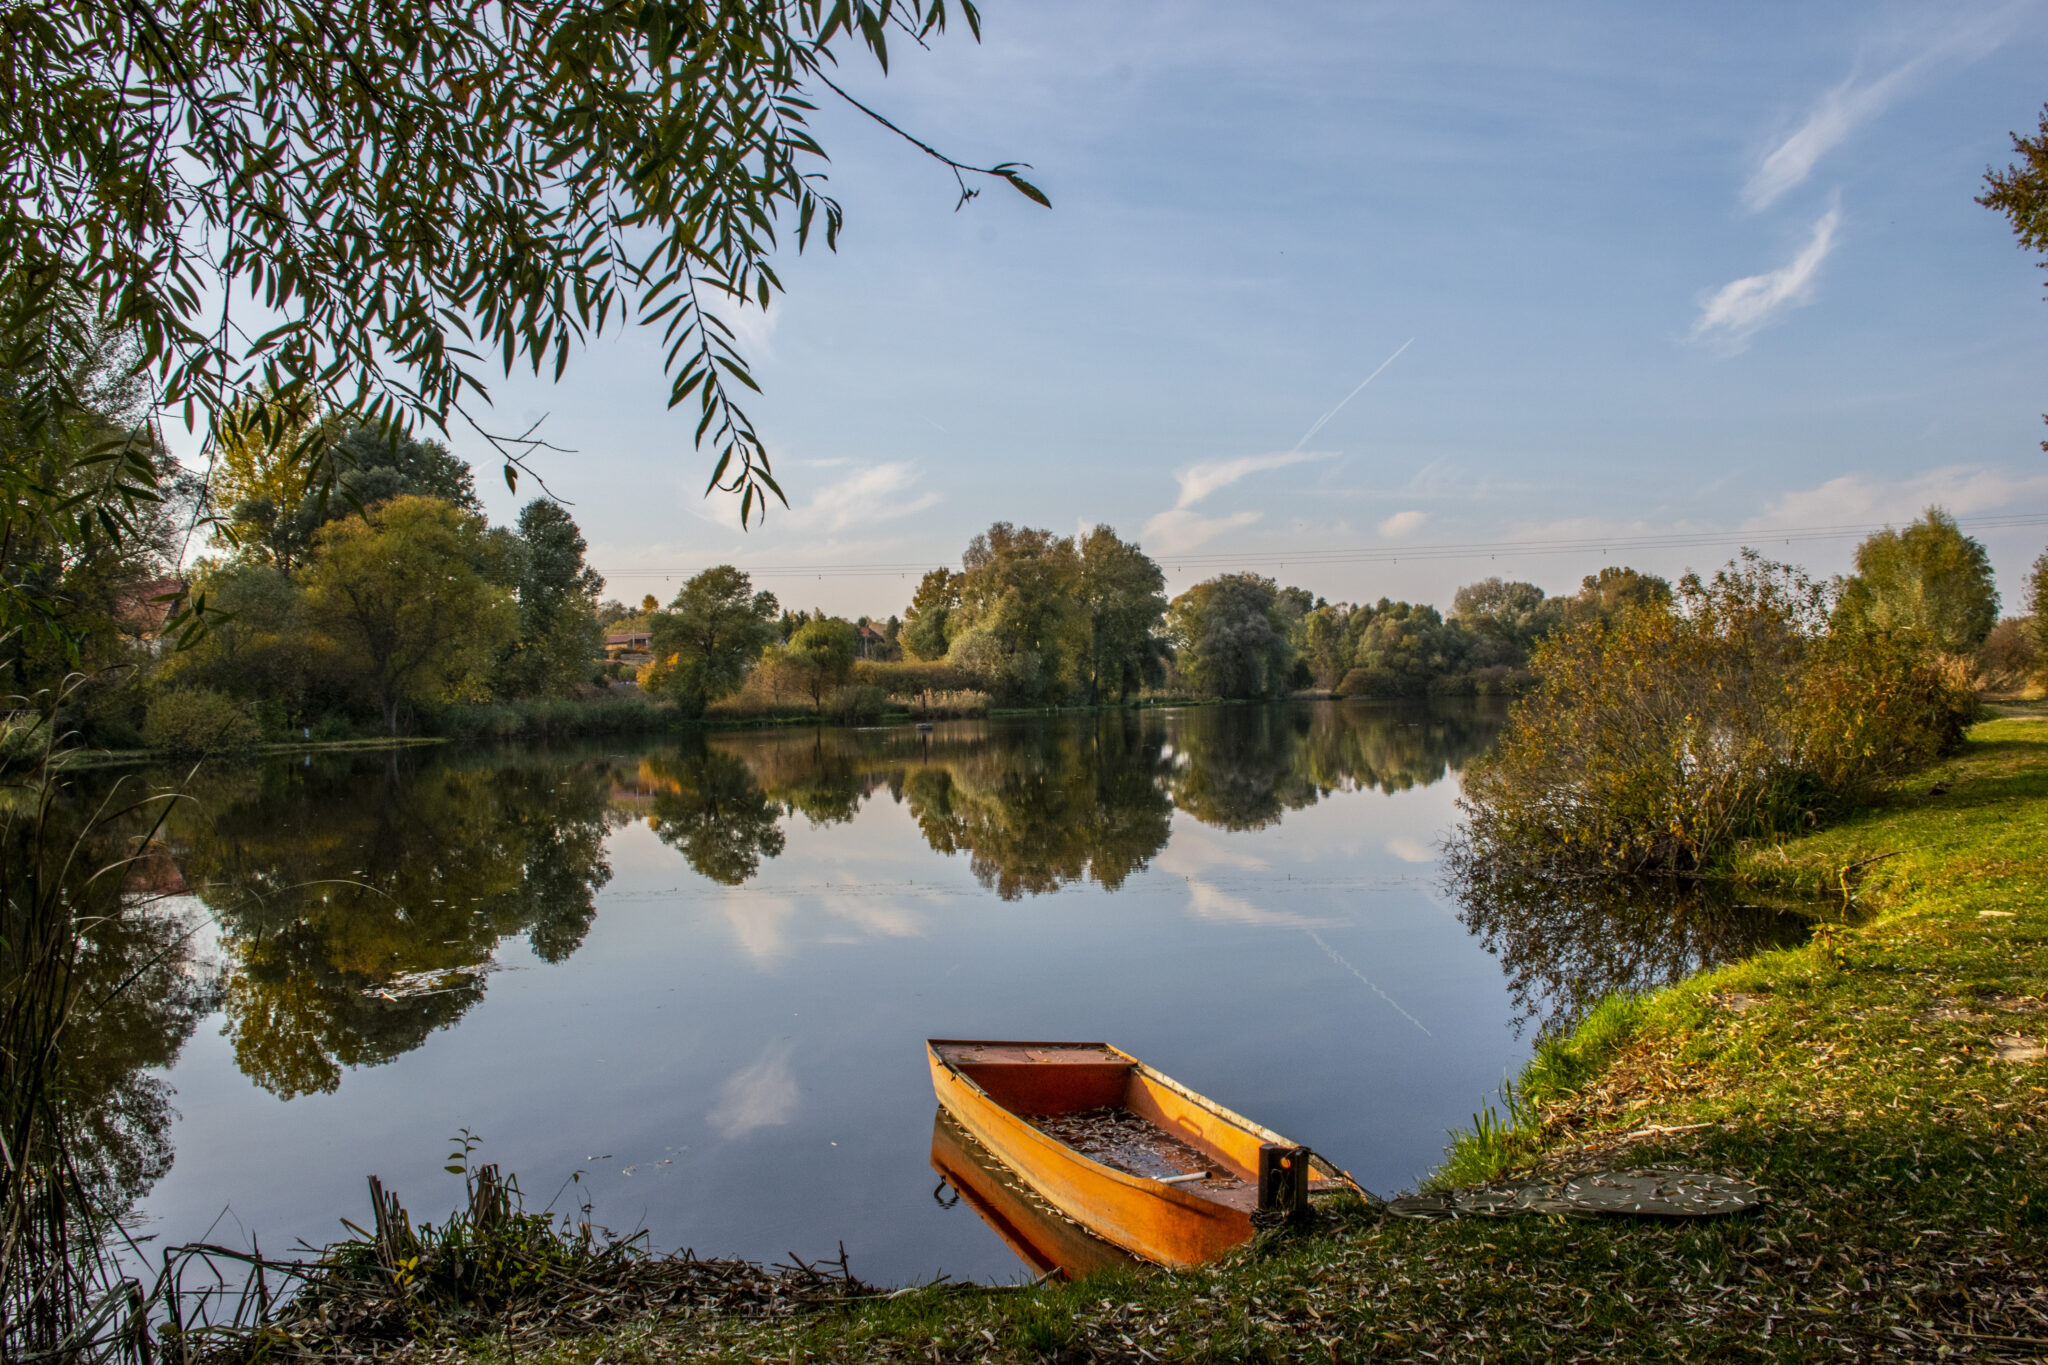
[{"x": 198, "y": 720}]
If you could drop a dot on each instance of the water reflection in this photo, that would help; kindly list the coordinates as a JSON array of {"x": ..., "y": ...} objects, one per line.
[
  {"x": 360, "y": 905},
  {"x": 113, "y": 955},
  {"x": 141, "y": 996},
  {"x": 1566, "y": 945},
  {"x": 360, "y": 911},
  {"x": 1042, "y": 1237}
]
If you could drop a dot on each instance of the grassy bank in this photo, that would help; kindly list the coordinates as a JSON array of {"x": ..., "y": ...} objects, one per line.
[{"x": 1884, "y": 1084}]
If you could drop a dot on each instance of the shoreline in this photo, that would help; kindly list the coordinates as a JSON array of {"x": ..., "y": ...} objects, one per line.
[
  {"x": 1886, "y": 1083},
  {"x": 102, "y": 758}
]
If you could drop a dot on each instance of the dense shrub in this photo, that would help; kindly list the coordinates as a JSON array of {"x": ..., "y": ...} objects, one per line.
[
  {"x": 2011, "y": 658},
  {"x": 1658, "y": 738},
  {"x": 943, "y": 705},
  {"x": 908, "y": 677},
  {"x": 1382, "y": 684},
  {"x": 198, "y": 720},
  {"x": 554, "y": 718},
  {"x": 856, "y": 704}
]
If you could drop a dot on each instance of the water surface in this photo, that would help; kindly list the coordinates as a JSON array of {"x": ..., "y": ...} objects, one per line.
[{"x": 696, "y": 975}]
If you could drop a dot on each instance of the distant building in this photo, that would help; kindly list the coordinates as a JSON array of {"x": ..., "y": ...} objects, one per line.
[
  {"x": 870, "y": 643},
  {"x": 141, "y": 609},
  {"x": 627, "y": 647}
]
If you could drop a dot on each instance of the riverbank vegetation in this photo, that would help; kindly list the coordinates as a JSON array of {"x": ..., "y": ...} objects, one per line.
[
  {"x": 1751, "y": 704},
  {"x": 353, "y": 587},
  {"x": 1884, "y": 1082}
]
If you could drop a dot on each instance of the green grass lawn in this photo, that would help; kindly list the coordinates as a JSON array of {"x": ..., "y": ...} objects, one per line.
[{"x": 1883, "y": 1083}]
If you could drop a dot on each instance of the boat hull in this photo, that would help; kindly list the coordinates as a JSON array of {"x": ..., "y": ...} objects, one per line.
[{"x": 1165, "y": 1223}]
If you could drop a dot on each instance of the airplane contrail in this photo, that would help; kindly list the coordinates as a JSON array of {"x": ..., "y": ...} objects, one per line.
[{"x": 1323, "y": 421}]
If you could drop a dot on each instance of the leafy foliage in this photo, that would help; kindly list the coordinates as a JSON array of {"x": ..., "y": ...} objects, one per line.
[
  {"x": 402, "y": 592},
  {"x": 2037, "y": 605},
  {"x": 558, "y": 631},
  {"x": 924, "y": 620},
  {"x": 1659, "y": 739},
  {"x": 1019, "y": 625},
  {"x": 1929, "y": 581},
  {"x": 709, "y": 636},
  {"x": 1229, "y": 637},
  {"x": 199, "y": 721},
  {"x": 360, "y": 206},
  {"x": 1121, "y": 591},
  {"x": 819, "y": 657}
]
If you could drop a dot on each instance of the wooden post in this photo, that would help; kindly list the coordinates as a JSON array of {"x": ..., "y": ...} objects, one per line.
[{"x": 1283, "y": 1180}]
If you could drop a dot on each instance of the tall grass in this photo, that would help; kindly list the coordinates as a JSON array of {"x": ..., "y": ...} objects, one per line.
[
  {"x": 62, "y": 868},
  {"x": 1502, "y": 1138}
]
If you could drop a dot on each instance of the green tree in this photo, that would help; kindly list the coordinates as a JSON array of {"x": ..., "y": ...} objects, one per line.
[
  {"x": 1659, "y": 738},
  {"x": 2037, "y": 605},
  {"x": 924, "y": 620},
  {"x": 1505, "y": 619},
  {"x": 261, "y": 648},
  {"x": 1326, "y": 645},
  {"x": 279, "y": 496},
  {"x": 415, "y": 193},
  {"x": 1400, "y": 648},
  {"x": 1929, "y": 582},
  {"x": 559, "y": 635},
  {"x": 1614, "y": 590},
  {"x": 401, "y": 593},
  {"x": 709, "y": 636},
  {"x": 1229, "y": 637},
  {"x": 90, "y": 513},
  {"x": 1019, "y": 624},
  {"x": 2020, "y": 192},
  {"x": 1121, "y": 592},
  {"x": 818, "y": 658}
]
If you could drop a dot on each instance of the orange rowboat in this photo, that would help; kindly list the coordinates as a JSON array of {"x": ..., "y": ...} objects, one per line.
[{"x": 1132, "y": 1155}]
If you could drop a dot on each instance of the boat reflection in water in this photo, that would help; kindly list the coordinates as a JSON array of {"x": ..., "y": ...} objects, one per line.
[{"x": 1045, "y": 1240}]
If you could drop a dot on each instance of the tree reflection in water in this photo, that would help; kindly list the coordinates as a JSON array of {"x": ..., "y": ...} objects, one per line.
[
  {"x": 707, "y": 805},
  {"x": 359, "y": 910},
  {"x": 140, "y": 997},
  {"x": 1567, "y": 945},
  {"x": 359, "y": 902}
]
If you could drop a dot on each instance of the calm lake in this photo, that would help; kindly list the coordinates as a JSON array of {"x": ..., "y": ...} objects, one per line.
[{"x": 697, "y": 974}]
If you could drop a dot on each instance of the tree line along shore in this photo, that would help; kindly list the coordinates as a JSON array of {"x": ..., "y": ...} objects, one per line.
[{"x": 352, "y": 588}]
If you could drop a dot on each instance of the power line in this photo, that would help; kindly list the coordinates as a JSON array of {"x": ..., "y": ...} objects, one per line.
[{"x": 1489, "y": 549}]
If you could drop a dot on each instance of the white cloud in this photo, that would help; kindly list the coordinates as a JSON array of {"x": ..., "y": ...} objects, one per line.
[
  {"x": 759, "y": 923},
  {"x": 752, "y": 327},
  {"x": 1403, "y": 523},
  {"x": 1733, "y": 313},
  {"x": 1177, "y": 531},
  {"x": 1410, "y": 850},
  {"x": 870, "y": 494},
  {"x": 1180, "y": 528},
  {"x": 878, "y": 921},
  {"x": 1209, "y": 903},
  {"x": 1199, "y": 481},
  {"x": 1844, "y": 109},
  {"x": 1856, "y": 499},
  {"x": 763, "y": 1095}
]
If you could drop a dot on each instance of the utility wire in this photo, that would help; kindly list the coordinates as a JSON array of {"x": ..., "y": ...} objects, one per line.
[{"x": 1393, "y": 554}]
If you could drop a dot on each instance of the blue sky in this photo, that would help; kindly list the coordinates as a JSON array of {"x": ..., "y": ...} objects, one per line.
[{"x": 1657, "y": 271}]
